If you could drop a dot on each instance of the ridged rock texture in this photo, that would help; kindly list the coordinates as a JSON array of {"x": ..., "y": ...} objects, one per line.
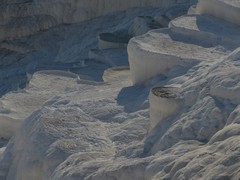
[
  {"x": 80, "y": 111},
  {"x": 26, "y": 17}
]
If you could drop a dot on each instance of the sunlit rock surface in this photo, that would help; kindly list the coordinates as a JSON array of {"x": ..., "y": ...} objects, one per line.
[
  {"x": 16, "y": 106},
  {"x": 81, "y": 112}
]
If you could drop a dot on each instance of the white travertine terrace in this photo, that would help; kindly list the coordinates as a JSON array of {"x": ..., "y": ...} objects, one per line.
[
  {"x": 202, "y": 27},
  {"x": 24, "y": 18},
  {"x": 228, "y": 10},
  {"x": 190, "y": 39},
  {"x": 159, "y": 50},
  {"x": 164, "y": 101},
  {"x": 96, "y": 127},
  {"x": 117, "y": 75},
  {"x": 47, "y": 83}
]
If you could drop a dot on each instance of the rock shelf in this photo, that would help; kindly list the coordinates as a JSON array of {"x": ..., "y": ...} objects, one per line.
[
  {"x": 207, "y": 28},
  {"x": 228, "y": 10},
  {"x": 95, "y": 124},
  {"x": 160, "y": 50},
  {"x": 189, "y": 39},
  {"x": 30, "y": 17}
]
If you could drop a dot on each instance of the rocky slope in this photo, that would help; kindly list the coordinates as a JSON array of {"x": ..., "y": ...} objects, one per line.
[
  {"x": 27, "y": 17},
  {"x": 80, "y": 118}
]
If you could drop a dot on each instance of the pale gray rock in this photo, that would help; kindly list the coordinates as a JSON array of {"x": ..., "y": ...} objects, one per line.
[
  {"x": 25, "y": 18},
  {"x": 88, "y": 121},
  {"x": 142, "y": 25},
  {"x": 224, "y": 9}
]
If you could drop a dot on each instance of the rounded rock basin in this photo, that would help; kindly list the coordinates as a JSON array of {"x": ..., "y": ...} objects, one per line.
[{"x": 164, "y": 102}]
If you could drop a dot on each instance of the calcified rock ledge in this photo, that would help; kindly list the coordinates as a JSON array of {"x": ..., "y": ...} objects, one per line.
[
  {"x": 163, "y": 102},
  {"x": 18, "y": 19},
  {"x": 72, "y": 117},
  {"x": 224, "y": 9}
]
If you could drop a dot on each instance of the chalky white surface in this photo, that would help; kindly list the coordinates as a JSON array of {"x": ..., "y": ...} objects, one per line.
[{"x": 95, "y": 125}]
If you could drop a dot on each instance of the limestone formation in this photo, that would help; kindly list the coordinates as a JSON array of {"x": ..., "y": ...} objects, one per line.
[
  {"x": 164, "y": 102},
  {"x": 224, "y": 9},
  {"x": 18, "y": 19},
  {"x": 80, "y": 112}
]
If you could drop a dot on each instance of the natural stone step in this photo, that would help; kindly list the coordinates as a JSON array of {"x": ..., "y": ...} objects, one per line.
[
  {"x": 160, "y": 50},
  {"x": 228, "y": 10},
  {"x": 117, "y": 75},
  {"x": 207, "y": 29}
]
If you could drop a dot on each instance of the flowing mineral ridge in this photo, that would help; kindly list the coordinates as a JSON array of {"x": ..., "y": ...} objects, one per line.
[{"x": 119, "y": 89}]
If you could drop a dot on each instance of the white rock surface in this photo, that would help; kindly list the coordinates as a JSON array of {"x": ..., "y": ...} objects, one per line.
[
  {"x": 28, "y": 17},
  {"x": 142, "y": 24},
  {"x": 62, "y": 47},
  {"x": 160, "y": 50},
  {"x": 100, "y": 130},
  {"x": 224, "y": 9},
  {"x": 163, "y": 102},
  {"x": 97, "y": 127},
  {"x": 192, "y": 10},
  {"x": 16, "y": 106},
  {"x": 201, "y": 27},
  {"x": 225, "y": 83}
]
